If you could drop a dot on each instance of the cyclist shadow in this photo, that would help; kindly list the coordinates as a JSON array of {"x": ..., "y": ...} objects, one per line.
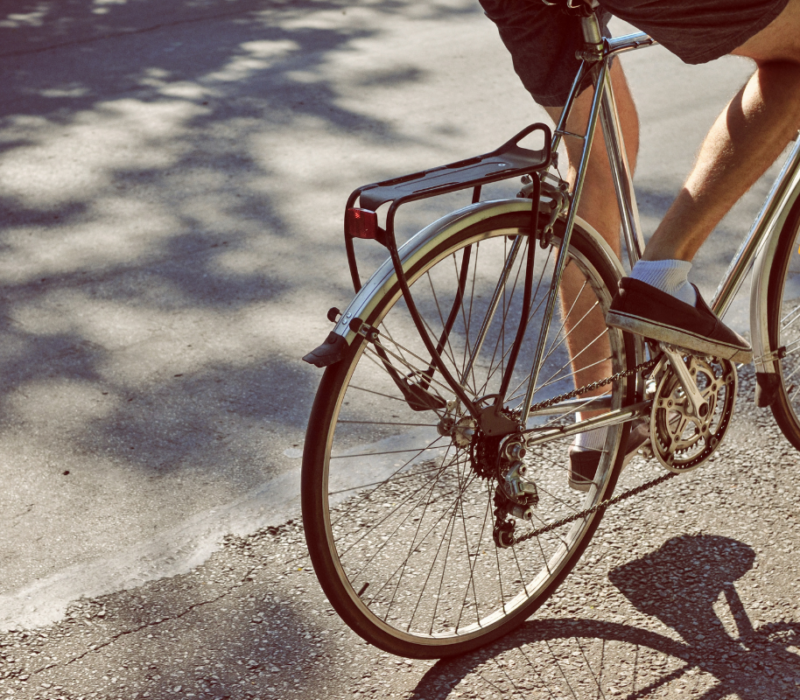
[{"x": 683, "y": 584}]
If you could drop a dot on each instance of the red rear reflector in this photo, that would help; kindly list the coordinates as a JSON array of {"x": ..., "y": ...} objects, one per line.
[{"x": 361, "y": 223}]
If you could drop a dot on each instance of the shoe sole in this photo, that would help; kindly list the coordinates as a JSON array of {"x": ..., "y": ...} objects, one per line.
[
  {"x": 586, "y": 485},
  {"x": 678, "y": 337}
]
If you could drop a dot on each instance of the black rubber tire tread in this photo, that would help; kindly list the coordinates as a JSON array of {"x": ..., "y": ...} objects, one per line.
[
  {"x": 785, "y": 416},
  {"x": 313, "y": 498}
]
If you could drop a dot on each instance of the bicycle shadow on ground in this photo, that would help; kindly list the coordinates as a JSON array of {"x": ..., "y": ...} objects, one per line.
[{"x": 712, "y": 649}]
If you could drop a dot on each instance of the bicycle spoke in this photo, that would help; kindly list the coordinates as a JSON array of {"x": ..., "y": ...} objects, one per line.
[
  {"x": 429, "y": 488},
  {"x": 385, "y": 481},
  {"x": 412, "y": 502},
  {"x": 563, "y": 339},
  {"x": 555, "y": 376}
]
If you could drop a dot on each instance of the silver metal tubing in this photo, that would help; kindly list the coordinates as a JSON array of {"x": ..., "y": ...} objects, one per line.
[
  {"x": 621, "y": 174},
  {"x": 592, "y": 34},
  {"x": 562, "y": 253},
  {"x": 498, "y": 292},
  {"x": 763, "y": 225},
  {"x": 561, "y": 127},
  {"x": 537, "y": 436},
  {"x": 599, "y": 403},
  {"x": 629, "y": 42},
  {"x": 561, "y": 132}
]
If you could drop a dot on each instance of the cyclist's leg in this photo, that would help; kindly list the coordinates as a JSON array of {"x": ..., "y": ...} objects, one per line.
[
  {"x": 542, "y": 42},
  {"x": 745, "y": 140},
  {"x": 598, "y": 203},
  {"x": 586, "y": 341}
]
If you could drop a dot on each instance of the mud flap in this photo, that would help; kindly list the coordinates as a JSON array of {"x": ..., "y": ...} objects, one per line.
[
  {"x": 767, "y": 386},
  {"x": 329, "y": 353}
]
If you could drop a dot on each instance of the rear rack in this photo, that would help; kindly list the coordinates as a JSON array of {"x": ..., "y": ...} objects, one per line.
[{"x": 508, "y": 161}]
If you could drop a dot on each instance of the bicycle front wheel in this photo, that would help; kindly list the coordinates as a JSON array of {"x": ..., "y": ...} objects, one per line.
[
  {"x": 398, "y": 498},
  {"x": 783, "y": 310}
]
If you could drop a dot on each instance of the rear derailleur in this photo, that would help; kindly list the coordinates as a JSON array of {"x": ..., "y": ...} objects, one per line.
[
  {"x": 496, "y": 455},
  {"x": 515, "y": 495}
]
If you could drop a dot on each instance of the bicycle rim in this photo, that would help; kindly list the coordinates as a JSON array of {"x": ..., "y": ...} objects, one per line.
[
  {"x": 784, "y": 326},
  {"x": 399, "y": 517}
]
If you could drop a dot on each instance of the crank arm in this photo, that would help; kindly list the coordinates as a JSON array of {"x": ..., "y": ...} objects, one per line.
[
  {"x": 698, "y": 405},
  {"x": 537, "y": 436}
]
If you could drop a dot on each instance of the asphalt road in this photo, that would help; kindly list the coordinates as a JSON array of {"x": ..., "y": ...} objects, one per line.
[
  {"x": 687, "y": 591},
  {"x": 172, "y": 184}
]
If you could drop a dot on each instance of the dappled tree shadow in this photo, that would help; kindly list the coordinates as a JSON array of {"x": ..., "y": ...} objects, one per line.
[
  {"x": 157, "y": 107},
  {"x": 156, "y": 294}
]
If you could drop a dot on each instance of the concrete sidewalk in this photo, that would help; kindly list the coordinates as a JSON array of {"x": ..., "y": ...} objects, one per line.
[{"x": 172, "y": 183}]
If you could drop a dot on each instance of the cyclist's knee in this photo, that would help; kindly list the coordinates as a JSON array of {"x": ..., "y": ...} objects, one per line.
[{"x": 778, "y": 41}]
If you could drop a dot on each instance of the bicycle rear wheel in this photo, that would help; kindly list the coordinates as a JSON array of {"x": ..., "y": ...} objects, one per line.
[
  {"x": 783, "y": 310},
  {"x": 398, "y": 503}
]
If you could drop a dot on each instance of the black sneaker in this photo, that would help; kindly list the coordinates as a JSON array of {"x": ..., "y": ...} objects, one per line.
[
  {"x": 583, "y": 463},
  {"x": 642, "y": 309}
]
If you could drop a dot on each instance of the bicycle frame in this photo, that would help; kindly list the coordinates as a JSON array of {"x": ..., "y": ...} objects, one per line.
[
  {"x": 597, "y": 56},
  {"x": 756, "y": 247}
]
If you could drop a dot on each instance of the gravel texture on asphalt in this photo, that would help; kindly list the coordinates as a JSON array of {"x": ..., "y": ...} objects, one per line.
[{"x": 687, "y": 591}]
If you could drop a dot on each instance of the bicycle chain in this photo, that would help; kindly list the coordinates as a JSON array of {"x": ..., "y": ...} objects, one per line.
[
  {"x": 500, "y": 521},
  {"x": 589, "y": 511},
  {"x": 644, "y": 367}
]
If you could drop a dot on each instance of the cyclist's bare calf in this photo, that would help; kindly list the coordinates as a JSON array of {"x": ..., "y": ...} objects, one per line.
[{"x": 657, "y": 300}]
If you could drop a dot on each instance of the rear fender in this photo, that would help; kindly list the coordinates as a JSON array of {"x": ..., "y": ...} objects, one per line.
[{"x": 384, "y": 278}]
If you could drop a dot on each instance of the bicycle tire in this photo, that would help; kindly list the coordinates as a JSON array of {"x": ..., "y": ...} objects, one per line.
[
  {"x": 443, "y": 590},
  {"x": 783, "y": 314}
]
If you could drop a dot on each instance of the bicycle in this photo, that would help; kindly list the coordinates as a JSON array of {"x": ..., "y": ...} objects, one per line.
[{"x": 435, "y": 498}]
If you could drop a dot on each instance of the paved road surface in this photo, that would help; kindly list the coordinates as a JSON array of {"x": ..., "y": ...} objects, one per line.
[
  {"x": 689, "y": 591},
  {"x": 173, "y": 177}
]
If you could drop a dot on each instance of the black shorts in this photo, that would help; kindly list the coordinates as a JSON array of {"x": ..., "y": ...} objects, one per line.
[{"x": 543, "y": 40}]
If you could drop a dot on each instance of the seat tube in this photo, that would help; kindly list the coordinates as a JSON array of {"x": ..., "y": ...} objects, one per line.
[
  {"x": 558, "y": 270},
  {"x": 621, "y": 172}
]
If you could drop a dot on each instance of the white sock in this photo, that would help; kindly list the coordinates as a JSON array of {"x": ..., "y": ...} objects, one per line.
[
  {"x": 591, "y": 439},
  {"x": 669, "y": 276}
]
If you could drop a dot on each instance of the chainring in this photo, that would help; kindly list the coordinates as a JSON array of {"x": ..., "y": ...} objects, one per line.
[{"x": 682, "y": 441}]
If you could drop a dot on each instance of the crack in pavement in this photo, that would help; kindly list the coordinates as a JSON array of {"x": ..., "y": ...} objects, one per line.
[{"x": 98, "y": 647}]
